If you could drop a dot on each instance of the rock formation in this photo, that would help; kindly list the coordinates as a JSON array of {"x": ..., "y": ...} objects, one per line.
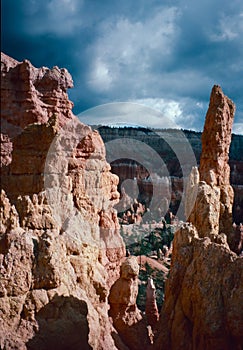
[
  {"x": 216, "y": 139},
  {"x": 127, "y": 319},
  {"x": 151, "y": 305},
  {"x": 129, "y": 169},
  {"x": 60, "y": 247},
  {"x": 205, "y": 287},
  {"x": 203, "y": 296},
  {"x": 214, "y": 194}
]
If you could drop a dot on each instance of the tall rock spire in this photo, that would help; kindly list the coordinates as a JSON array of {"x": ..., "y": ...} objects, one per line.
[
  {"x": 151, "y": 304},
  {"x": 212, "y": 212},
  {"x": 204, "y": 289},
  {"x": 216, "y": 139}
]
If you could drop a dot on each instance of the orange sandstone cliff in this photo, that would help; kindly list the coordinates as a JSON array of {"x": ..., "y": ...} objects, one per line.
[{"x": 60, "y": 247}]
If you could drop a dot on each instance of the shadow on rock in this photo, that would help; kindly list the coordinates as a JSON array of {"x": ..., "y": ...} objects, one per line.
[{"x": 63, "y": 325}]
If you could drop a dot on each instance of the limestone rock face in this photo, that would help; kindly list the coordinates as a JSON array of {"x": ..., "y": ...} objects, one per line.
[
  {"x": 127, "y": 319},
  {"x": 212, "y": 213},
  {"x": 60, "y": 247}
]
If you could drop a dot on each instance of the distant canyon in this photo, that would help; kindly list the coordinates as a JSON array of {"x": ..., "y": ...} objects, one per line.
[{"x": 140, "y": 178}]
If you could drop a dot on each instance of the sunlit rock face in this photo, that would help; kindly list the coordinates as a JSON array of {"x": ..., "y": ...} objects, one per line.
[
  {"x": 127, "y": 319},
  {"x": 203, "y": 295},
  {"x": 212, "y": 212},
  {"x": 205, "y": 288},
  {"x": 60, "y": 247}
]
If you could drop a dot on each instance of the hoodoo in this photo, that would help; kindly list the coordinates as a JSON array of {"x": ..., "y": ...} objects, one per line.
[
  {"x": 57, "y": 262},
  {"x": 205, "y": 287},
  {"x": 65, "y": 281}
]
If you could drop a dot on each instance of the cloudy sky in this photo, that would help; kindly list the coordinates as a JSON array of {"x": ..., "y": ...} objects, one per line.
[{"x": 163, "y": 54}]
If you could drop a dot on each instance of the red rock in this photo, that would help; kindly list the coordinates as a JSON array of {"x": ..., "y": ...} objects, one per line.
[
  {"x": 151, "y": 305},
  {"x": 212, "y": 213},
  {"x": 56, "y": 182},
  {"x": 204, "y": 289},
  {"x": 31, "y": 95},
  {"x": 216, "y": 139},
  {"x": 128, "y": 169},
  {"x": 203, "y": 295},
  {"x": 127, "y": 319}
]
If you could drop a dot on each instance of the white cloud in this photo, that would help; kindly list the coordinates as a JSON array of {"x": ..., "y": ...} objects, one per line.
[
  {"x": 167, "y": 58},
  {"x": 127, "y": 113},
  {"x": 182, "y": 113},
  {"x": 229, "y": 28},
  {"x": 199, "y": 105},
  {"x": 100, "y": 77},
  {"x": 126, "y": 47},
  {"x": 151, "y": 113},
  {"x": 62, "y": 17},
  {"x": 62, "y": 6},
  {"x": 238, "y": 128},
  {"x": 171, "y": 109}
]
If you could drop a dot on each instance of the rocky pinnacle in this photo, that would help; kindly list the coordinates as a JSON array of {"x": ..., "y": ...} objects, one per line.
[{"x": 212, "y": 212}]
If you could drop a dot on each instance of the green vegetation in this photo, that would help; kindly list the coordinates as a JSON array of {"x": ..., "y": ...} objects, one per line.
[
  {"x": 148, "y": 241},
  {"x": 159, "y": 281},
  {"x": 154, "y": 243}
]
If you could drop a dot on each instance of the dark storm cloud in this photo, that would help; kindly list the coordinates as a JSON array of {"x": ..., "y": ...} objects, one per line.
[{"x": 166, "y": 57}]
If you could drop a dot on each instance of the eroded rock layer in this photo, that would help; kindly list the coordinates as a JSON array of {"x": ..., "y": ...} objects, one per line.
[
  {"x": 127, "y": 319},
  {"x": 128, "y": 169},
  {"x": 60, "y": 247},
  {"x": 212, "y": 213},
  {"x": 205, "y": 287},
  {"x": 203, "y": 296}
]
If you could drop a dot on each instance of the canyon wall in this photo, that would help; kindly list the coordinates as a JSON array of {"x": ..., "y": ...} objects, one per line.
[
  {"x": 60, "y": 247},
  {"x": 156, "y": 139}
]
